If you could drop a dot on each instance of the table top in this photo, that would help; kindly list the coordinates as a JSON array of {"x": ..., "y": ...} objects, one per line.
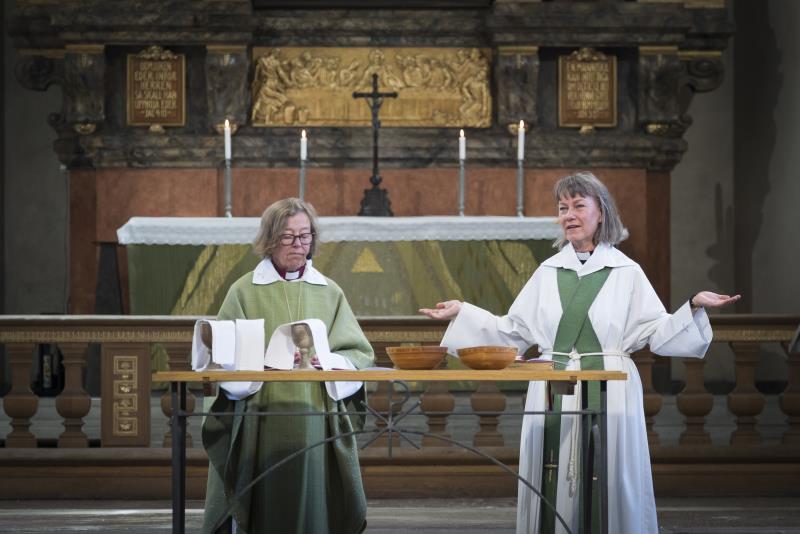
[
  {"x": 242, "y": 230},
  {"x": 380, "y": 375}
]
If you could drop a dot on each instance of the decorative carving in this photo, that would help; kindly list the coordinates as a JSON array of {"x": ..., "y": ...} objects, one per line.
[
  {"x": 587, "y": 89},
  {"x": 226, "y": 86},
  {"x": 84, "y": 87},
  {"x": 664, "y": 75},
  {"x": 702, "y": 70},
  {"x": 156, "y": 89},
  {"x": 84, "y": 128},
  {"x": 125, "y": 396},
  {"x": 124, "y": 376},
  {"x": 123, "y": 335},
  {"x": 660, "y": 73},
  {"x": 517, "y": 75},
  {"x": 312, "y": 86},
  {"x": 38, "y": 73}
]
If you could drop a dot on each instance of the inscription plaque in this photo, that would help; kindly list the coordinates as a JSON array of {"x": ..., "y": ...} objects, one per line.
[
  {"x": 587, "y": 89},
  {"x": 156, "y": 88}
]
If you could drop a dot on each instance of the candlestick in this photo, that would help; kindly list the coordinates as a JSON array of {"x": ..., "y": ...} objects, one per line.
[
  {"x": 461, "y": 179},
  {"x": 303, "y": 146},
  {"x": 228, "y": 189},
  {"x": 302, "y": 189},
  {"x": 462, "y": 156},
  {"x": 521, "y": 141},
  {"x": 227, "y": 131},
  {"x": 520, "y": 187}
]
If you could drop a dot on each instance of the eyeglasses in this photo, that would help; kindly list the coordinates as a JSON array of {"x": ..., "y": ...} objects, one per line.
[{"x": 288, "y": 239}]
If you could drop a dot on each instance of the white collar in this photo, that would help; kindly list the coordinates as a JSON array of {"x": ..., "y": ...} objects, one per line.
[
  {"x": 604, "y": 255},
  {"x": 265, "y": 274}
]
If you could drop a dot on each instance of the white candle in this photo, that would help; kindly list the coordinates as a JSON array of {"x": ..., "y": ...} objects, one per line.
[
  {"x": 462, "y": 146},
  {"x": 521, "y": 141},
  {"x": 303, "y": 146},
  {"x": 227, "y": 139}
]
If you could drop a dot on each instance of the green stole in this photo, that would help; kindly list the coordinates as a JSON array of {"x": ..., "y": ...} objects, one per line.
[{"x": 574, "y": 331}]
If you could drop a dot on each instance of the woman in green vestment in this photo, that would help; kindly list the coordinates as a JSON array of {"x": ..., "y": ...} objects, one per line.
[{"x": 319, "y": 491}]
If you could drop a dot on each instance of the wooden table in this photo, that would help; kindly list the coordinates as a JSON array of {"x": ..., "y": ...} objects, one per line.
[{"x": 179, "y": 379}]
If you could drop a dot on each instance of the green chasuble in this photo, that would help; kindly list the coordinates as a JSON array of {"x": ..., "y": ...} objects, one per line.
[
  {"x": 574, "y": 332},
  {"x": 319, "y": 491}
]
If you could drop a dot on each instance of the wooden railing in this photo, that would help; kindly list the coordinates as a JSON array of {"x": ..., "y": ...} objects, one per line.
[{"x": 695, "y": 464}]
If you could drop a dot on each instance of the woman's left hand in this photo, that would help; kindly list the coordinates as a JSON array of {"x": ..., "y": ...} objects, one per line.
[{"x": 708, "y": 299}]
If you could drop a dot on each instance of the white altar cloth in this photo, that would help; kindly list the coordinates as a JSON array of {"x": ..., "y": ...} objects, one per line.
[{"x": 242, "y": 230}]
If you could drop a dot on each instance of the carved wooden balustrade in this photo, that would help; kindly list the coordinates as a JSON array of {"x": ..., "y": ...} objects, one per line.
[{"x": 122, "y": 462}]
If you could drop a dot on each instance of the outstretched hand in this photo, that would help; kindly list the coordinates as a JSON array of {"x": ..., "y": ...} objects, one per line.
[
  {"x": 708, "y": 299},
  {"x": 444, "y": 310}
]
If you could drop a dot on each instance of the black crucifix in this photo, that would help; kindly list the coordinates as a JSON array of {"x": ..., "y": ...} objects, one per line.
[{"x": 376, "y": 200}]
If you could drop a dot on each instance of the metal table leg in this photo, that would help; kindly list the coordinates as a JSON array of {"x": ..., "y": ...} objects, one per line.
[
  {"x": 603, "y": 447},
  {"x": 594, "y": 459},
  {"x": 178, "y": 423}
]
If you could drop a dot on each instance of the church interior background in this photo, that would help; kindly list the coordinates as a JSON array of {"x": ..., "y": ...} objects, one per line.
[{"x": 693, "y": 130}]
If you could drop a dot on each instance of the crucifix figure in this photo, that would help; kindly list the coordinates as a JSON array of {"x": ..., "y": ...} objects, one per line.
[{"x": 376, "y": 200}]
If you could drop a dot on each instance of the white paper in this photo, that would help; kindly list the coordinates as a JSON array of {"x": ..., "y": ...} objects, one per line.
[
  {"x": 281, "y": 349},
  {"x": 249, "y": 349},
  {"x": 223, "y": 345}
]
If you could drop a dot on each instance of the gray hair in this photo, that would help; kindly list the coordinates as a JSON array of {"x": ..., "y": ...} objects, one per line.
[
  {"x": 586, "y": 184},
  {"x": 273, "y": 223}
]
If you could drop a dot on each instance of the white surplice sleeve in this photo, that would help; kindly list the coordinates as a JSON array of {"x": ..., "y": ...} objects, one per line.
[
  {"x": 474, "y": 326},
  {"x": 682, "y": 333}
]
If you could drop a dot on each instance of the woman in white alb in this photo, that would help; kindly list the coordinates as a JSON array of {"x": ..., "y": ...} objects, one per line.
[{"x": 589, "y": 307}]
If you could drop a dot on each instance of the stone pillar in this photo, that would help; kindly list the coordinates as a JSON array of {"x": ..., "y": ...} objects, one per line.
[
  {"x": 74, "y": 403},
  {"x": 745, "y": 401},
  {"x": 20, "y": 404},
  {"x": 652, "y": 399},
  {"x": 488, "y": 398},
  {"x": 695, "y": 402},
  {"x": 790, "y": 398},
  {"x": 437, "y": 403}
]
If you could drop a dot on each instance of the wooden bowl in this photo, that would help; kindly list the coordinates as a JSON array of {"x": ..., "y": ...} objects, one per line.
[
  {"x": 416, "y": 357},
  {"x": 488, "y": 357}
]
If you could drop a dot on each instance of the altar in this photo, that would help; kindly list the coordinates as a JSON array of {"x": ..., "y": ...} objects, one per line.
[{"x": 385, "y": 265}]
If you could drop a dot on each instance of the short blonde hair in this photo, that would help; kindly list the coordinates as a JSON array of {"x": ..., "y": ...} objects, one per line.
[
  {"x": 273, "y": 223},
  {"x": 586, "y": 184}
]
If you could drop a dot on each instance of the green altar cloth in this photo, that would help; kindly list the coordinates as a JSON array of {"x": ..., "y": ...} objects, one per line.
[{"x": 379, "y": 278}]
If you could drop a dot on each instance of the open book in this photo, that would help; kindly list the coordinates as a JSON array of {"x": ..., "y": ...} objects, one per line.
[{"x": 239, "y": 346}]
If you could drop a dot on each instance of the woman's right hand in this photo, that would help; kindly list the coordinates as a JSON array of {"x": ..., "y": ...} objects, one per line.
[{"x": 444, "y": 310}]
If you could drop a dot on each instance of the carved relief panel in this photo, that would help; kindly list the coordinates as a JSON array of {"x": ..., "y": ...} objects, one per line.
[{"x": 438, "y": 87}]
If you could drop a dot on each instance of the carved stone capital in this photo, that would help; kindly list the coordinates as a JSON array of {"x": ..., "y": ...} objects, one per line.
[{"x": 702, "y": 71}]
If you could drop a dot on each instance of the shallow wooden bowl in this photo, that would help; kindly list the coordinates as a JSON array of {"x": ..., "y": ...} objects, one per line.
[
  {"x": 416, "y": 357},
  {"x": 488, "y": 357}
]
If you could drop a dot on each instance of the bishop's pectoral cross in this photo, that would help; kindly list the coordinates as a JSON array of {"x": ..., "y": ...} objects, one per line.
[{"x": 376, "y": 200}]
